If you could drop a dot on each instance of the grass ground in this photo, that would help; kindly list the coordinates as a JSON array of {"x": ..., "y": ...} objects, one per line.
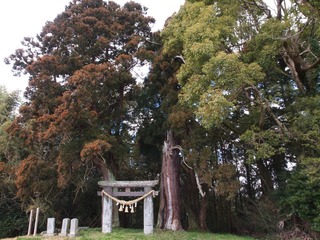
[{"x": 137, "y": 234}]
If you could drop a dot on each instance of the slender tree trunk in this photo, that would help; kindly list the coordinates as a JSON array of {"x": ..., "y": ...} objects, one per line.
[
  {"x": 279, "y": 9},
  {"x": 169, "y": 216},
  {"x": 249, "y": 181},
  {"x": 203, "y": 213},
  {"x": 266, "y": 179}
]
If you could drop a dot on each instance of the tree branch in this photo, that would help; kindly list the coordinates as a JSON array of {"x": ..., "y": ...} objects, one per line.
[
  {"x": 202, "y": 193},
  {"x": 268, "y": 107}
]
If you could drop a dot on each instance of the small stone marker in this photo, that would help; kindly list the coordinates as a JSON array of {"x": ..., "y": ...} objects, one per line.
[
  {"x": 50, "y": 226},
  {"x": 73, "y": 227},
  {"x": 65, "y": 227}
]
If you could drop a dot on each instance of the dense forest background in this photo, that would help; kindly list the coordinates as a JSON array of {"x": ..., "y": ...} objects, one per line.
[{"x": 233, "y": 86}]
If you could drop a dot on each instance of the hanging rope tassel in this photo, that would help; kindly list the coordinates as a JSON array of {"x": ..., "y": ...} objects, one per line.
[
  {"x": 126, "y": 210},
  {"x": 132, "y": 209},
  {"x": 120, "y": 208}
]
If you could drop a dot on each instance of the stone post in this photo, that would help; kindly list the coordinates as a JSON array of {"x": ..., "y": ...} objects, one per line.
[
  {"x": 65, "y": 227},
  {"x": 50, "y": 226},
  {"x": 30, "y": 222},
  {"x": 107, "y": 211},
  {"x": 74, "y": 227},
  {"x": 36, "y": 222},
  {"x": 148, "y": 212}
]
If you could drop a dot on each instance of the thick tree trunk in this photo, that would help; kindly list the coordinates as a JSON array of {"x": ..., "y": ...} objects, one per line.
[{"x": 169, "y": 216}]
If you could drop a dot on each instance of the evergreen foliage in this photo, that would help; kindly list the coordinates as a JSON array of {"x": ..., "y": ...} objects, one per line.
[{"x": 236, "y": 82}]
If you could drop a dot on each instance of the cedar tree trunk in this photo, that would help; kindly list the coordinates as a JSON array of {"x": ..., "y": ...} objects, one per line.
[
  {"x": 203, "y": 213},
  {"x": 169, "y": 216}
]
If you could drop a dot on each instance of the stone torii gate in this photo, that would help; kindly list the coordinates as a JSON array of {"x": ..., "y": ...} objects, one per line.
[{"x": 114, "y": 189}]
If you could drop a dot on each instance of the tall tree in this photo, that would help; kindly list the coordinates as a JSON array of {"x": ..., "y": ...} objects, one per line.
[
  {"x": 158, "y": 103},
  {"x": 77, "y": 119},
  {"x": 13, "y": 217},
  {"x": 245, "y": 68}
]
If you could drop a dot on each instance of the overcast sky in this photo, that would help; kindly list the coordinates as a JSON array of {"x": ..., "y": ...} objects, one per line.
[{"x": 25, "y": 18}]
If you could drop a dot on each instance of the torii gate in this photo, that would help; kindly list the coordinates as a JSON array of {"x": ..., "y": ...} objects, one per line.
[{"x": 110, "y": 193}]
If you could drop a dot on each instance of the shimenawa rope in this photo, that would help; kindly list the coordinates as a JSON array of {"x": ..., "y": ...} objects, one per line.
[{"x": 131, "y": 203}]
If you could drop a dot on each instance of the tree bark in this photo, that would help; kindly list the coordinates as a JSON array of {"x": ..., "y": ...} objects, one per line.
[
  {"x": 266, "y": 178},
  {"x": 203, "y": 213},
  {"x": 169, "y": 216},
  {"x": 190, "y": 195}
]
